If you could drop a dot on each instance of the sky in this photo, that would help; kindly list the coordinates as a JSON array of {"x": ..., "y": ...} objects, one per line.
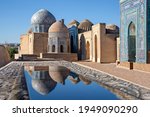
[{"x": 15, "y": 15}]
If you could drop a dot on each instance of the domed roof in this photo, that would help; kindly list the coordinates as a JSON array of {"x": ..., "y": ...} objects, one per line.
[
  {"x": 111, "y": 28},
  {"x": 43, "y": 16},
  {"x": 73, "y": 23},
  {"x": 59, "y": 26},
  {"x": 85, "y": 25}
]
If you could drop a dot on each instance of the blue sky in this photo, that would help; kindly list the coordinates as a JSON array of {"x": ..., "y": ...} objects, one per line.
[{"x": 15, "y": 15}]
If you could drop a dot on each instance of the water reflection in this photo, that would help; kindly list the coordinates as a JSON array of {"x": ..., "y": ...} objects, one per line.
[
  {"x": 58, "y": 73},
  {"x": 41, "y": 81},
  {"x": 45, "y": 78},
  {"x": 56, "y": 83},
  {"x": 75, "y": 78}
]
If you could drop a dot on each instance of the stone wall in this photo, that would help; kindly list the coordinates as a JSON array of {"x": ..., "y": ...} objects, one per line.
[
  {"x": 148, "y": 56},
  {"x": 28, "y": 57},
  {"x": 24, "y": 44},
  {"x": 33, "y": 43},
  {"x": 136, "y": 66},
  {"x": 109, "y": 49},
  {"x": 40, "y": 43},
  {"x": 60, "y": 56},
  {"x": 4, "y": 56}
]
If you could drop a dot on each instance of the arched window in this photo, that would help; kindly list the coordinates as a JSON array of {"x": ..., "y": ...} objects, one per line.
[
  {"x": 61, "y": 48},
  {"x": 53, "y": 48},
  {"x": 82, "y": 48}
]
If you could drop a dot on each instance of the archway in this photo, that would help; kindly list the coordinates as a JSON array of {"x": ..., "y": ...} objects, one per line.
[
  {"x": 95, "y": 41},
  {"x": 88, "y": 50},
  {"x": 82, "y": 48},
  {"x": 132, "y": 42},
  {"x": 61, "y": 48},
  {"x": 72, "y": 47},
  {"x": 53, "y": 48}
]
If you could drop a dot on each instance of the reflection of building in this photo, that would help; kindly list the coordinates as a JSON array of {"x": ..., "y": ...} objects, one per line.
[
  {"x": 41, "y": 81},
  {"x": 135, "y": 36},
  {"x": 49, "y": 38},
  {"x": 4, "y": 56}
]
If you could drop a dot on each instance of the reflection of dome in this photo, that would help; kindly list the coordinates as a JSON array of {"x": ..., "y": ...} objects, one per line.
[
  {"x": 84, "y": 80},
  {"x": 40, "y": 75},
  {"x": 43, "y": 86},
  {"x": 4, "y": 56},
  {"x": 58, "y": 27},
  {"x": 43, "y": 16},
  {"x": 85, "y": 25},
  {"x": 73, "y": 23},
  {"x": 58, "y": 73}
]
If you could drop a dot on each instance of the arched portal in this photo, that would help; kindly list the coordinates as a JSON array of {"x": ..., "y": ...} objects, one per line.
[
  {"x": 61, "y": 48},
  {"x": 53, "y": 48},
  {"x": 95, "y": 49},
  {"x": 82, "y": 48},
  {"x": 132, "y": 42},
  {"x": 88, "y": 50},
  {"x": 71, "y": 43}
]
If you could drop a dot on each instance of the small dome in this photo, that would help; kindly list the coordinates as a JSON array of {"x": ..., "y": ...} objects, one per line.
[
  {"x": 43, "y": 16},
  {"x": 59, "y": 27},
  {"x": 111, "y": 28},
  {"x": 73, "y": 23},
  {"x": 85, "y": 25}
]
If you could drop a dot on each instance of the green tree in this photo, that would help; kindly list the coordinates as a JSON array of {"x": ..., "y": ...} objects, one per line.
[{"x": 12, "y": 52}]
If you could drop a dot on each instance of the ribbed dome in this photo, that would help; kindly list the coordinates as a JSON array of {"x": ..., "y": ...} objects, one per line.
[
  {"x": 43, "y": 16},
  {"x": 59, "y": 27},
  {"x": 73, "y": 23},
  {"x": 85, "y": 25}
]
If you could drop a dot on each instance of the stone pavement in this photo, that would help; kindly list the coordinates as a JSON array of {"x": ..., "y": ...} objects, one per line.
[
  {"x": 134, "y": 76},
  {"x": 12, "y": 82}
]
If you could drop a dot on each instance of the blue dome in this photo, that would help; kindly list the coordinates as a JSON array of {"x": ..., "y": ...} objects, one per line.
[{"x": 43, "y": 16}]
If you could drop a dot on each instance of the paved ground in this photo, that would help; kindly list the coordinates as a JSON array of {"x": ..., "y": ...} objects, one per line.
[
  {"x": 136, "y": 77},
  {"x": 12, "y": 82}
]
